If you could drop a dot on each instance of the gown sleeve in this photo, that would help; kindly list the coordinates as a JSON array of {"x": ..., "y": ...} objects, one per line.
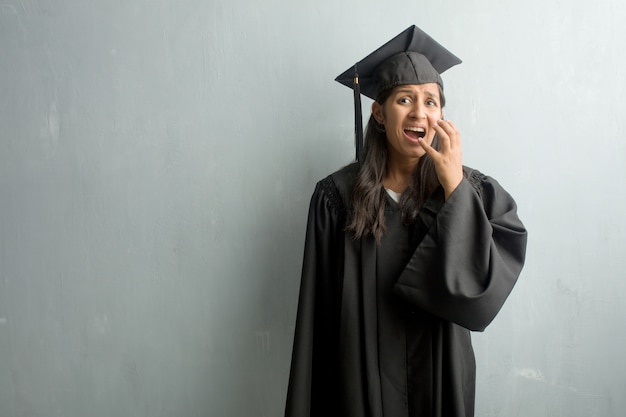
[
  {"x": 314, "y": 356},
  {"x": 471, "y": 256}
]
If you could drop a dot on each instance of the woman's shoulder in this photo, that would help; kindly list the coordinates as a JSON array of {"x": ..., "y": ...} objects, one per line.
[
  {"x": 345, "y": 178},
  {"x": 487, "y": 187},
  {"x": 337, "y": 187},
  {"x": 476, "y": 178}
]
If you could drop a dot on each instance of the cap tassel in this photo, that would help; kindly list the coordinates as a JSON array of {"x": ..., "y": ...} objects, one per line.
[{"x": 358, "y": 118}]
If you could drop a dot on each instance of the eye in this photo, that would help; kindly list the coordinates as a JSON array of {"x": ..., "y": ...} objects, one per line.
[
  {"x": 404, "y": 100},
  {"x": 431, "y": 103}
]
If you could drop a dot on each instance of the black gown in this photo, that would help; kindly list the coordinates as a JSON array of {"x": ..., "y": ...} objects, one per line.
[{"x": 384, "y": 330}]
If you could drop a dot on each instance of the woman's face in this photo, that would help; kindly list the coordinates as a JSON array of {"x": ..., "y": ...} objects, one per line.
[{"x": 410, "y": 112}]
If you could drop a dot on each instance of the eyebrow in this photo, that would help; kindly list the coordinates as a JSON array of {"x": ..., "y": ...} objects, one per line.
[{"x": 409, "y": 91}]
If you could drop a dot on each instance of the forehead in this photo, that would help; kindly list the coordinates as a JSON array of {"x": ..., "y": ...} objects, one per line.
[{"x": 431, "y": 89}]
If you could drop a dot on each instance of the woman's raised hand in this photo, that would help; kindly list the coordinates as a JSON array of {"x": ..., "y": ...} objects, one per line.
[{"x": 448, "y": 160}]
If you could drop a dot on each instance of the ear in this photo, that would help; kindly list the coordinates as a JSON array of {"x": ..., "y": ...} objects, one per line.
[{"x": 377, "y": 112}]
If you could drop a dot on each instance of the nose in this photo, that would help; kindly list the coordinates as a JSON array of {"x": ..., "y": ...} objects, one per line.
[{"x": 418, "y": 111}]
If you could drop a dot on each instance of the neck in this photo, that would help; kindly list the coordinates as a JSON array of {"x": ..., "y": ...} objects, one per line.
[{"x": 398, "y": 174}]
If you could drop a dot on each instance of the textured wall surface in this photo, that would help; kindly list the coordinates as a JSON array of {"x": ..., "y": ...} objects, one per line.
[{"x": 156, "y": 163}]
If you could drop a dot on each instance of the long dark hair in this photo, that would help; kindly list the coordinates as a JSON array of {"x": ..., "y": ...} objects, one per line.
[{"x": 368, "y": 214}]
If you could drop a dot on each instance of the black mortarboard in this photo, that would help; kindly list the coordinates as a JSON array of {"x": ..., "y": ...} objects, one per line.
[{"x": 412, "y": 57}]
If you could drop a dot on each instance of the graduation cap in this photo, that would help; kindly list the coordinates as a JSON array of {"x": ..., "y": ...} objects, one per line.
[{"x": 412, "y": 57}]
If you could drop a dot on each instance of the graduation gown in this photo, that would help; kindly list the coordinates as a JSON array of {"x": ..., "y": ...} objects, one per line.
[{"x": 384, "y": 330}]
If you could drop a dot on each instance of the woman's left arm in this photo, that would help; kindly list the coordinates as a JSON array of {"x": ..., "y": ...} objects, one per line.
[{"x": 468, "y": 262}]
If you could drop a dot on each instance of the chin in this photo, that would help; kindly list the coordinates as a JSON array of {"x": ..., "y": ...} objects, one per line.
[{"x": 418, "y": 154}]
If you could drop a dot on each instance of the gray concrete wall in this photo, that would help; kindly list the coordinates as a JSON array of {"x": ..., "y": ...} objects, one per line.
[{"x": 156, "y": 162}]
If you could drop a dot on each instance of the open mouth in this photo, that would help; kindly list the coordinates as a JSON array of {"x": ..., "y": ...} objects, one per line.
[{"x": 415, "y": 132}]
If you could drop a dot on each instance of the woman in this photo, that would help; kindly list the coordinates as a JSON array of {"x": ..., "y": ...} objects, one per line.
[{"x": 406, "y": 252}]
